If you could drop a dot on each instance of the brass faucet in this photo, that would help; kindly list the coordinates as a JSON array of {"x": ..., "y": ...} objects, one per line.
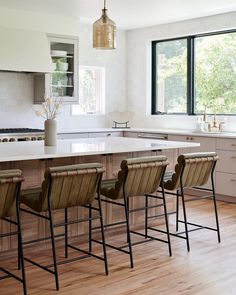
[{"x": 214, "y": 125}]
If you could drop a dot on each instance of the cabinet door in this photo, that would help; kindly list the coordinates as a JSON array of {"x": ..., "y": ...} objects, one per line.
[
  {"x": 226, "y": 184},
  {"x": 114, "y": 134},
  {"x": 106, "y": 134},
  {"x": 97, "y": 134},
  {"x": 183, "y": 138},
  {"x": 207, "y": 144},
  {"x": 226, "y": 144},
  {"x": 227, "y": 162},
  {"x": 63, "y": 81},
  {"x": 130, "y": 134},
  {"x": 72, "y": 135}
]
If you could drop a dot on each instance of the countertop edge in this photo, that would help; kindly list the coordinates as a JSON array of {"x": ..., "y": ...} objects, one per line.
[{"x": 161, "y": 131}]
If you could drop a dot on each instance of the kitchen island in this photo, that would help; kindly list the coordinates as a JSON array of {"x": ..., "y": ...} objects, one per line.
[{"x": 33, "y": 158}]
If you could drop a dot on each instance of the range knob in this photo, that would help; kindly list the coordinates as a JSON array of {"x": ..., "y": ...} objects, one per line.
[
  {"x": 27, "y": 138},
  {"x": 5, "y": 140},
  {"x": 33, "y": 138},
  {"x": 40, "y": 138},
  {"x": 12, "y": 139}
]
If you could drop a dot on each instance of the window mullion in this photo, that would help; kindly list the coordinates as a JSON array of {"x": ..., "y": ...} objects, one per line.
[
  {"x": 154, "y": 79},
  {"x": 190, "y": 75}
]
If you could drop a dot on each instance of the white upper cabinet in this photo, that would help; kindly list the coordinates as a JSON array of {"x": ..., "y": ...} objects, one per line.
[
  {"x": 24, "y": 51},
  {"x": 63, "y": 81}
]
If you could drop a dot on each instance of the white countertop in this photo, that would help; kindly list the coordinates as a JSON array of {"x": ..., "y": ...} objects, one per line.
[
  {"x": 186, "y": 132},
  {"x": 30, "y": 150},
  {"x": 161, "y": 131}
]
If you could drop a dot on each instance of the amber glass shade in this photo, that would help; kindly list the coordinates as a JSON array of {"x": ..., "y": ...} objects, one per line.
[{"x": 104, "y": 32}]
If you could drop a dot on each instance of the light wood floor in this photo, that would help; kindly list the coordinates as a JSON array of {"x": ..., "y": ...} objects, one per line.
[{"x": 209, "y": 268}]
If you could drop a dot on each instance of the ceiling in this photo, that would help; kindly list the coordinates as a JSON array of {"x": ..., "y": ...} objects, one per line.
[{"x": 128, "y": 14}]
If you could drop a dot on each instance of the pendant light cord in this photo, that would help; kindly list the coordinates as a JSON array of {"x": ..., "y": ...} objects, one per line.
[{"x": 105, "y": 4}]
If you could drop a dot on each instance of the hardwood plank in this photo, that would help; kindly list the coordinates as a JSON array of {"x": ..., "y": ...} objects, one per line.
[{"x": 209, "y": 268}]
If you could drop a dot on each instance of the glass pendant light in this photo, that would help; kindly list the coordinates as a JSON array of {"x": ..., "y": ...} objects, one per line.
[{"x": 104, "y": 32}]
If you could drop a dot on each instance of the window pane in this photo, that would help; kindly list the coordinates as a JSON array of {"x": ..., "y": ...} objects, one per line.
[
  {"x": 91, "y": 91},
  {"x": 215, "y": 74},
  {"x": 171, "y": 73}
]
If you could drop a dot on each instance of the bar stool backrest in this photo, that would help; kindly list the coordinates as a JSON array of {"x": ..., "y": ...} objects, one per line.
[
  {"x": 194, "y": 168},
  {"x": 10, "y": 182},
  {"x": 69, "y": 186},
  {"x": 140, "y": 176}
]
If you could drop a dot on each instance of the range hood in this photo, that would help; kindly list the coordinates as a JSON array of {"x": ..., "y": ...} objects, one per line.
[{"x": 24, "y": 51}]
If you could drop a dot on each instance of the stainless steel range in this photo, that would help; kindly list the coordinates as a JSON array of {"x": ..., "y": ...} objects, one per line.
[{"x": 20, "y": 134}]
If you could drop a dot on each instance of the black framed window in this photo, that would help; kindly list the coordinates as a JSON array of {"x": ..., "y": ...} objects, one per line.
[{"x": 194, "y": 74}]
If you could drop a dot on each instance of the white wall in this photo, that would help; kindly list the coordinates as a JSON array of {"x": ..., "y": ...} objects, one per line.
[
  {"x": 115, "y": 63},
  {"x": 127, "y": 69},
  {"x": 49, "y": 23},
  {"x": 139, "y": 68},
  {"x": 16, "y": 89}
]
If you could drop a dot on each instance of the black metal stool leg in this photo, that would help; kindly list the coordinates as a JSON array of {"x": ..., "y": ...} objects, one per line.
[
  {"x": 146, "y": 216},
  {"x": 128, "y": 219},
  {"x": 166, "y": 220},
  {"x": 19, "y": 255},
  {"x": 20, "y": 249},
  {"x": 128, "y": 229},
  {"x": 215, "y": 207},
  {"x": 53, "y": 249},
  {"x": 217, "y": 220},
  {"x": 90, "y": 228},
  {"x": 177, "y": 210},
  {"x": 66, "y": 233},
  {"x": 185, "y": 217},
  {"x": 103, "y": 234}
]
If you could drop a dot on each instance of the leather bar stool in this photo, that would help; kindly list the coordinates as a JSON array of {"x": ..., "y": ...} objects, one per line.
[
  {"x": 193, "y": 170},
  {"x": 137, "y": 177},
  {"x": 65, "y": 187},
  {"x": 10, "y": 183}
]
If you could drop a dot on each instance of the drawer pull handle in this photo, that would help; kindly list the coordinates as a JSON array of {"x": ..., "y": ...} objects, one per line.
[
  {"x": 233, "y": 180},
  {"x": 233, "y": 157},
  {"x": 233, "y": 144}
]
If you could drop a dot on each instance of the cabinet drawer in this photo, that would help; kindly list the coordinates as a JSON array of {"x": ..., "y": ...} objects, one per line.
[
  {"x": 72, "y": 135},
  {"x": 226, "y": 184},
  {"x": 226, "y": 144},
  {"x": 130, "y": 134},
  {"x": 227, "y": 161},
  {"x": 115, "y": 134},
  {"x": 106, "y": 134}
]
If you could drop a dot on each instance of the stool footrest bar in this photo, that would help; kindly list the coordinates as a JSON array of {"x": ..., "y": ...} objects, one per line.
[
  {"x": 113, "y": 247},
  {"x": 85, "y": 252},
  {"x": 198, "y": 225},
  {"x": 150, "y": 237},
  {"x": 9, "y": 274},
  {"x": 47, "y": 267},
  {"x": 163, "y": 232}
]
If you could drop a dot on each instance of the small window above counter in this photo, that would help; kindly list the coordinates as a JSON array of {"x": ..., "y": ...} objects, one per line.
[{"x": 63, "y": 81}]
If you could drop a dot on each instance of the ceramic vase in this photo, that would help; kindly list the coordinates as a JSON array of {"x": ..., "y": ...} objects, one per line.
[{"x": 50, "y": 129}]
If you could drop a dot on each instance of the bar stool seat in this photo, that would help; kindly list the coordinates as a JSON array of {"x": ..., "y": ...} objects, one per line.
[
  {"x": 108, "y": 188},
  {"x": 65, "y": 187},
  {"x": 31, "y": 199},
  {"x": 137, "y": 177},
  {"x": 10, "y": 184}
]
